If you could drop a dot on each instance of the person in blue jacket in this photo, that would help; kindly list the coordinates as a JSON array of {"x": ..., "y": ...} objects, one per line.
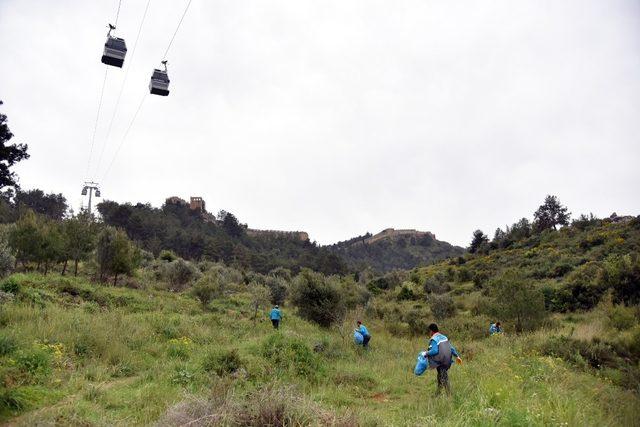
[
  {"x": 495, "y": 328},
  {"x": 441, "y": 356},
  {"x": 365, "y": 334},
  {"x": 276, "y": 317}
]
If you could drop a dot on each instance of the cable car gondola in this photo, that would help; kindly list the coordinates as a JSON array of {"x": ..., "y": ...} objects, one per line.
[
  {"x": 159, "y": 84},
  {"x": 115, "y": 50}
]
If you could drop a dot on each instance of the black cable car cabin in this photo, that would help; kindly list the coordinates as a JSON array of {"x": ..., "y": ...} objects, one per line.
[
  {"x": 115, "y": 50},
  {"x": 159, "y": 84}
]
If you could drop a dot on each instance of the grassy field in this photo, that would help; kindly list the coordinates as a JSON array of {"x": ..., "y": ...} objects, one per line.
[{"x": 76, "y": 353}]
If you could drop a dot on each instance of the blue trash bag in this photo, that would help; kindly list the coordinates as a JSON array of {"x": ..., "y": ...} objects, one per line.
[
  {"x": 358, "y": 338},
  {"x": 421, "y": 365}
]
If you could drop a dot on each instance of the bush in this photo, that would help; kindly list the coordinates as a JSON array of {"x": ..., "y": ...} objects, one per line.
[
  {"x": 621, "y": 317},
  {"x": 436, "y": 284},
  {"x": 292, "y": 355},
  {"x": 517, "y": 300},
  {"x": 207, "y": 289},
  {"x": 7, "y": 345},
  {"x": 417, "y": 322},
  {"x": 168, "y": 256},
  {"x": 179, "y": 273},
  {"x": 405, "y": 294},
  {"x": 622, "y": 274},
  {"x": 277, "y": 287},
  {"x": 480, "y": 278},
  {"x": 595, "y": 354},
  {"x": 35, "y": 362},
  {"x": 222, "y": 362},
  {"x": 464, "y": 275},
  {"x": 10, "y": 285},
  {"x": 582, "y": 291},
  {"x": 317, "y": 298},
  {"x": 442, "y": 306}
]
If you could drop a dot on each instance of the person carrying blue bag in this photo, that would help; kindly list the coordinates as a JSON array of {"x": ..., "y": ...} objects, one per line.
[
  {"x": 440, "y": 356},
  {"x": 364, "y": 332}
]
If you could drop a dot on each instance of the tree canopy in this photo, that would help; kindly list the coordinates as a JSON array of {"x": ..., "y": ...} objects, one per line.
[{"x": 10, "y": 154}]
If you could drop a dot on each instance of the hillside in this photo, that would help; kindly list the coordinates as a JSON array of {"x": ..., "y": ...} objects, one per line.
[
  {"x": 75, "y": 353},
  {"x": 394, "y": 249},
  {"x": 197, "y": 235}
]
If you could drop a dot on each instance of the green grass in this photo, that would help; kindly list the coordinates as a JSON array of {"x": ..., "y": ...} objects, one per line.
[{"x": 80, "y": 353}]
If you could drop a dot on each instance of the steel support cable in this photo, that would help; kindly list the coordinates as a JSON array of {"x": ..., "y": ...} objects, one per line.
[
  {"x": 104, "y": 177},
  {"x": 124, "y": 81},
  {"x": 176, "y": 31},
  {"x": 118, "y": 13},
  {"x": 95, "y": 126},
  {"x": 124, "y": 137}
]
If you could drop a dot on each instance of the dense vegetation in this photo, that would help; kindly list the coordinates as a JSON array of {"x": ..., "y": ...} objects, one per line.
[
  {"x": 195, "y": 236},
  {"x": 397, "y": 252}
]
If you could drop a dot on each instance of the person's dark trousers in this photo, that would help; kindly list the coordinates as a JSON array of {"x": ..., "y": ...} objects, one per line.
[
  {"x": 365, "y": 341},
  {"x": 276, "y": 323},
  {"x": 443, "y": 379}
]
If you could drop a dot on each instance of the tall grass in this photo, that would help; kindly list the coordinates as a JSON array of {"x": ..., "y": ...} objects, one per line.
[{"x": 161, "y": 358}]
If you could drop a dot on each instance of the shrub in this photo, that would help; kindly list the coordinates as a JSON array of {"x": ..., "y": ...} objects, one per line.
[
  {"x": 7, "y": 345},
  {"x": 292, "y": 355},
  {"x": 622, "y": 274},
  {"x": 464, "y": 275},
  {"x": 595, "y": 354},
  {"x": 436, "y": 284},
  {"x": 405, "y": 293},
  {"x": 442, "y": 306},
  {"x": 166, "y": 255},
  {"x": 517, "y": 300},
  {"x": 621, "y": 317},
  {"x": 179, "y": 273},
  {"x": 35, "y": 362},
  {"x": 582, "y": 291},
  {"x": 480, "y": 278},
  {"x": 222, "y": 362},
  {"x": 277, "y": 287},
  {"x": 207, "y": 289},
  {"x": 317, "y": 298},
  {"x": 10, "y": 285},
  {"x": 417, "y": 322}
]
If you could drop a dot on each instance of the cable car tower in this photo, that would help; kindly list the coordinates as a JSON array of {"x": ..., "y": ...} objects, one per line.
[{"x": 90, "y": 187}]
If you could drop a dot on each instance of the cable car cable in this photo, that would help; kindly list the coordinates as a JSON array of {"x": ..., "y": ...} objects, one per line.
[
  {"x": 124, "y": 81},
  {"x": 104, "y": 177},
  {"x": 95, "y": 126},
  {"x": 124, "y": 137},
  {"x": 176, "y": 31},
  {"x": 118, "y": 12}
]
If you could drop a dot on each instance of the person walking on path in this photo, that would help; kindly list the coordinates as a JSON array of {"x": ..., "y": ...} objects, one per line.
[
  {"x": 441, "y": 356},
  {"x": 276, "y": 317},
  {"x": 366, "y": 336}
]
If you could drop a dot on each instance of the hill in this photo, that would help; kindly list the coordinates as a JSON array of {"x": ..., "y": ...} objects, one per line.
[
  {"x": 394, "y": 249},
  {"x": 77, "y": 353},
  {"x": 197, "y": 235}
]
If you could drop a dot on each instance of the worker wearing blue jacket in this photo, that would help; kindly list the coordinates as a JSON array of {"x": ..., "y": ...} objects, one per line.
[
  {"x": 366, "y": 336},
  {"x": 441, "y": 356},
  {"x": 276, "y": 317},
  {"x": 495, "y": 328}
]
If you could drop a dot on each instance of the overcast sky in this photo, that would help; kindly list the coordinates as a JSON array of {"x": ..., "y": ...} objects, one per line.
[{"x": 335, "y": 117}]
